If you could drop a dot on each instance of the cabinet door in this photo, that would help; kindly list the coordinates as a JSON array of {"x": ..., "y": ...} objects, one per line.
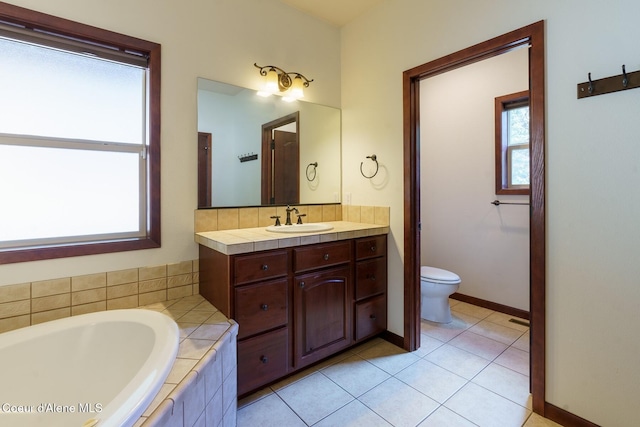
[
  {"x": 260, "y": 266},
  {"x": 262, "y": 359},
  {"x": 371, "y": 277},
  {"x": 261, "y": 306},
  {"x": 371, "y": 317},
  {"x": 322, "y": 314}
]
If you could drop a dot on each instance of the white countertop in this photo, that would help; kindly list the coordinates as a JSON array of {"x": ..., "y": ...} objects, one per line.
[{"x": 246, "y": 240}]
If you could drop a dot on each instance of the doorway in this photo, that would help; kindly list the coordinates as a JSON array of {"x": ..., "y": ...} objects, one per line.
[
  {"x": 280, "y": 161},
  {"x": 533, "y": 36}
]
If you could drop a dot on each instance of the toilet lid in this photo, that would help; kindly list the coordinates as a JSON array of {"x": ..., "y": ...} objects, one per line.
[{"x": 438, "y": 274}]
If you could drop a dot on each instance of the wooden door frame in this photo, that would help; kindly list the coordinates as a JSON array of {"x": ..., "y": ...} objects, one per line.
[
  {"x": 204, "y": 170},
  {"x": 267, "y": 136},
  {"x": 533, "y": 35}
]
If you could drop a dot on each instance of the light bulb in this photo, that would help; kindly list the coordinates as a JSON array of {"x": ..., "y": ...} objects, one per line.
[
  {"x": 297, "y": 90},
  {"x": 272, "y": 81}
]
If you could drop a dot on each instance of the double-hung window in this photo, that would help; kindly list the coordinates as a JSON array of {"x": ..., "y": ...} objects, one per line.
[
  {"x": 512, "y": 143},
  {"x": 79, "y": 139}
]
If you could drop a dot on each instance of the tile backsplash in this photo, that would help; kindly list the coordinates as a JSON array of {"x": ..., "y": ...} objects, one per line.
[
  {"x": 31, "y": 303},
  {"x": 232, "y": 218}
]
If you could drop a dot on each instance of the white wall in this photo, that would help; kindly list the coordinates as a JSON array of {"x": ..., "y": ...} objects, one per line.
[
  {"x": 593, "y": 172},
  {"x": 216, "y": 39},
  {"x": 487, "y": 246}
]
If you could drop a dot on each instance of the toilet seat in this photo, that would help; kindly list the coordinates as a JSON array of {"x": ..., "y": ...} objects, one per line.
[{"x": 438, "y": 275}]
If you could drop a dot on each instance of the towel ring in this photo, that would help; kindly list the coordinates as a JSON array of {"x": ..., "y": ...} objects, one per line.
[
  {"x": 375, "y": 159},
  {"x": 315, "y": 166}
]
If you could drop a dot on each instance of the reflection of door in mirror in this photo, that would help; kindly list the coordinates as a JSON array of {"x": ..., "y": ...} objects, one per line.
[
  {"x": 280, "y": 161},
  {"x": 204, "y": 169}
]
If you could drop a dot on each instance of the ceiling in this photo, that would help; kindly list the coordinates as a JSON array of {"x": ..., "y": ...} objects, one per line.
[{"x": 336, "y": 12}]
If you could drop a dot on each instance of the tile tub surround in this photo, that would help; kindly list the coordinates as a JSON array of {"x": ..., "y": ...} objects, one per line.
[
  {"x": 246, "y": 240},
  {"x": 27, "y": 304},
  {"x": 201, "y": 389},
  {"x": 235, "y": 218}
]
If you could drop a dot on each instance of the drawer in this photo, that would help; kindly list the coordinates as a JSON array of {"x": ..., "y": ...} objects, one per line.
[
  {"x": 260, "y": 266},
  {"x": 262, "y": 359},
  {"x": 261, "y": 307},
  {"x": 318, "y": 256},
  {"x": 371, "y": 317},
  {"x": 371, "y": 277},
  {"x": 370, "y": 247}
]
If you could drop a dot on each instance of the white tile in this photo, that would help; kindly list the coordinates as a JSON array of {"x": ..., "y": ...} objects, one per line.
[
  {"x": 472, "y": 310},
  {"x": 432, "y": 380},
  {"x": 487, "y": 409},
  {"x": 268, "y": 412},
  {"x": 427, "y": 345},
  {"x": 443, "y": 417},
  {"x": 478, "y": 345},
  {"x": 505, "y": 320},
  {"x": 398, "y": 403},
  {"x": 388, "y": 357},
  {"x": 458, "y": 361},
  {"x": 514, "y": 359},
  {"x": 496, "y": 332},
  {"x": 314, "y": 397},
  {"x": 354, "y": 414},
  {"x": 536, "y": 420},
  {"x": 447, "y": 331},
  {"x": 355, "y": 375},
  {"x": 523, "y": 343},
  {"x": 505, "y": 382}
]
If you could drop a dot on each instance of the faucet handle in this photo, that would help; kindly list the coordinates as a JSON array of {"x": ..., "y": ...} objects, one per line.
[
  {"x": 277, "y": 218},
  {"x": 300, "y": 218}
]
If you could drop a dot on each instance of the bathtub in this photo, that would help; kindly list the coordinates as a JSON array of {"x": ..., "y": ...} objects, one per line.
[{"x": 100, "y": 369}]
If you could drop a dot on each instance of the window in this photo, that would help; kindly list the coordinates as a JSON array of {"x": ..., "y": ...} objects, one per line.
[
  {"x": 512, "y": 143},
  {"x": 79, "y": 139}
]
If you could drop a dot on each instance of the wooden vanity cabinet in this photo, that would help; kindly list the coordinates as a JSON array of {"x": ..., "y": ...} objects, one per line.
[
  {"x": 298, "y": 305},
  {"x": 322, "y": 301},
  {"x": 370, "y": 287}
]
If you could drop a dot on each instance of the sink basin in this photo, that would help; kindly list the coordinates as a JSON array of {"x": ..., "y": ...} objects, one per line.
[{"x": 300, "y": 228}]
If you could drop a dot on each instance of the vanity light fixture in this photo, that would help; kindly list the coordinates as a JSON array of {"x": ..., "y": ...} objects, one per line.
[{"x": 277, "y": 80}]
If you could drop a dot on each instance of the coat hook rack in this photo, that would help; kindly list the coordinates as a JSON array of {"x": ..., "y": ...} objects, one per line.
[
  {"x": 248, "y": 157},
  {"x": 312, "y": 171},
  {"x": 611, "y": 84},
  {"x": 375, "y": 159}
]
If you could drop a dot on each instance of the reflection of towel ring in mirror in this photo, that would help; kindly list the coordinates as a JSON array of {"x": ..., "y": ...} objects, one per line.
[
  {"x": 375, "y": 159},
  {"x": 315, "y": 166}
]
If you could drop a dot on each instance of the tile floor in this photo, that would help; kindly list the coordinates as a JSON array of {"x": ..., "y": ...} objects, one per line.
[{"x": 471, "y": 372}]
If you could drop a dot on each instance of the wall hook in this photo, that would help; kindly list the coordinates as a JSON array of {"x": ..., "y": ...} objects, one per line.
[
  {"x": 625, "y": 79},
  {"x": 375, "y": 159},
  {"x": 590, "y": 84},
  {"x": 315, "y": 166}
]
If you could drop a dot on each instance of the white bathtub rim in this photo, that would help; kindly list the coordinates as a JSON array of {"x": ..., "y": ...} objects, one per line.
[{"x": 163, "y": 354}]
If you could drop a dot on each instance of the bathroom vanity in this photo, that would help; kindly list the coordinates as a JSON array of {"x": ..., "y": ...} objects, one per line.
[{"x": 309, "y": 297}]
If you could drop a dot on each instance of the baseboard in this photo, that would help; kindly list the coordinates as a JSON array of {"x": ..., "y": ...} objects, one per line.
[
  {"x": 565, "y": 418},
  {"x": 492, "y": 306},
  {"x": 394, "y": 339}
]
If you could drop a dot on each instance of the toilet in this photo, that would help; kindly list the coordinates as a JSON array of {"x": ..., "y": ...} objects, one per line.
[{"x": 436, "y": 285}]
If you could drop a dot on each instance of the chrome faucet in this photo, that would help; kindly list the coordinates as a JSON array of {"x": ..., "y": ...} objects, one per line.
[{"x": 289, "y": 210}]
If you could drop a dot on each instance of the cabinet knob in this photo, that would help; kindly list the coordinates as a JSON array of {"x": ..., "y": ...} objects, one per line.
[
  {"x": 264, "y": 307},
  {"x": 301, "y": 284},
  {"x": 264, "y": 359},
  {"x": 326, "y": 257},
  {"x": 372, "y": 277},
  {"x": 372, "y": 316},
  {"x": 373, "y": 248},
  {"x": 265, "y": 267}
]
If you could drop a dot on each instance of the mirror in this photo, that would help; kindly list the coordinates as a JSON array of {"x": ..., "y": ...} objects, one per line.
[{"x": 237, "y": 164}]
